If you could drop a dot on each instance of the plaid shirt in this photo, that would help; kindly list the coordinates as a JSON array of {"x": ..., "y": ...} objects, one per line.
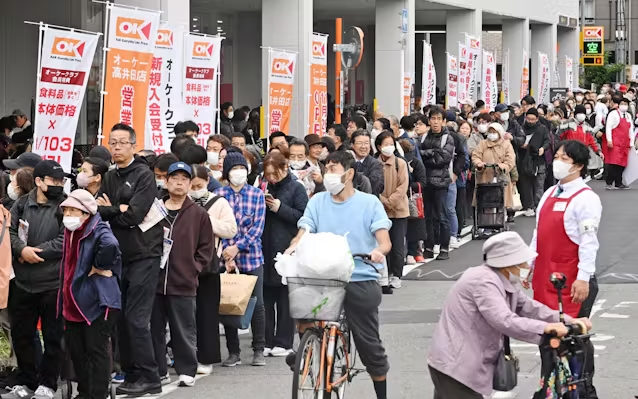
[{"x": 249, "y": 207}]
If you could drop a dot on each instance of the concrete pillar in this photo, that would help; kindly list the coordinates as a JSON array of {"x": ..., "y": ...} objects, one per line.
[
  {"x": 515, "y": 40},
  {"x": 247, "y": 57},
  {"x": 568, "y": 46},
  {"x": 173, "y": 11},
  {"x": 287, "y": 25},
  {"x": 391, "y": 54},
  {"x": 543, "y": 39}
]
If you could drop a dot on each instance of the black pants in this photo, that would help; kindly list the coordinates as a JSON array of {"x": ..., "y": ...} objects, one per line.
[
  {"x": 460, "y": 207},
  {"x": 258, "y": 324},
  {"x": 139, "y": 283},
  {"x": 207, "y": 315},
  {"x": 446, "y": 387},
  {"x": 90, "y": 350},
  {"x": 24, "y": 311},
  {"x": 396, "y": 256},
  {"x": 531, "y": 189},
  {"x": 179, "y": 312},
  {"x": 280, "y": 328},
  {"x": 614, "y": 174},
  {"x": 436, "y": 224}
]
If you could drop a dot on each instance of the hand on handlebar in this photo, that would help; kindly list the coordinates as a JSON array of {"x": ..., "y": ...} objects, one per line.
[
  {"x": 586, "y": 321},
  {"x": 556, "y": 328},
  {"x": 480, "y": 165},
  {"x": 376, "y": 256}
]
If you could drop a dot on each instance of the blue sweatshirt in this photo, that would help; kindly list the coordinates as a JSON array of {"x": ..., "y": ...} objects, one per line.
[{"x": 358, "y": 219}]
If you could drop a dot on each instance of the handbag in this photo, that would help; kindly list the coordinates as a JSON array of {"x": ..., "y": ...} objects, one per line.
[
  {"x": 517, "y": 205},
  {"x": 506, "y": 370},
  {"x": 415, "y": 204},
  {"x": 235, "y": 293},
  {"x": 241, "y": 322}
]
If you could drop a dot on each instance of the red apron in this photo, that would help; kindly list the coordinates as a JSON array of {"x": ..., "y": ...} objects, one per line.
[
  {"x": 556, "y": 253},
  {"x": 619, "y": 154}
]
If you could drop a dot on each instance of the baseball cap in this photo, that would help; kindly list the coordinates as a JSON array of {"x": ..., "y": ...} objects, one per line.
[
  {"x": 49, "y": 168},
  {"x": 28, "y": 159},
  {"x": 500, "y": 108},
  {"x": 467, "y": 102},
  {"x": 180, "y": 166}
]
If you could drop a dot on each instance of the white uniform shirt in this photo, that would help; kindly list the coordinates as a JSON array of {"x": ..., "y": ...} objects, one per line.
[
  {"x": 581, "y": 220},
  {"x": 613, "y": 120}
]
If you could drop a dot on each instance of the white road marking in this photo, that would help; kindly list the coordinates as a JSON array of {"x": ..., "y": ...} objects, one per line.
[
  {"x": 598, "y": 306},
  {"x": 601, "y": 338},
  {"x": 614, "y": 316}
]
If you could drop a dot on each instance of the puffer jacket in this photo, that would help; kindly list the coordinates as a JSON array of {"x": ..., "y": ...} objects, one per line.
[
  {"x": 97, "y": 247},
  {"x": 437, "y": 158}
]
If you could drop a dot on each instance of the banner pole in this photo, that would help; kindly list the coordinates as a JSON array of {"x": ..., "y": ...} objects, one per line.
[
  {"x": 267, "y": 116},
  {"x": 105, "y": 51},
  {"x": 41, "y": 30},
  {"x": 219, "y": 106}
]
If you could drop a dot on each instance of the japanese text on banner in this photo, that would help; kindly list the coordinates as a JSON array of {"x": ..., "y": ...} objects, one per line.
[
  {"x": 525, "y": 76},
  {"x": 281, "y": 78},
  {"x": 463, "y": 77},
  {"x": 318, "y": 118},
  {"x": 428, "y": 84},
  {"x": 131, "y": 43},
  {"x": 452, "y": 81},
  {"x": 489, "y": 92},
  {"x": 473, "y": 45},
  {"x": 200, "y": 83},
  {"x": 544, "y": 78},
  {"x": 569, "y": 72},
  {"x": 65, "y": 66},
  {"x": 506, "y": 77},
  {"x": 407, "y": 89},
  {"x": 165, "y": 89}
]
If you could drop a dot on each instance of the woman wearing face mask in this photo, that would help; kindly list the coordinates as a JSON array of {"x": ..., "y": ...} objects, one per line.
[
  {"x": 483, "y": 307},
  {"x": 395, "y": 201},
  {"x": 89, "y": 291},
  {"x": 286, "y": 201},
  {"x": 92, "y": 175},
  {"x": 617, "y": 142},
  {"x": 496, "y": 150},
  {"x": 578, "y": 129},
  {"x": 590, "y": 115},
  {"x": 379, "y": 126},
  {"x": 21, "y": 184},
  {"x": 216, "y": 151},
  {"x": 208, "y": 292}
]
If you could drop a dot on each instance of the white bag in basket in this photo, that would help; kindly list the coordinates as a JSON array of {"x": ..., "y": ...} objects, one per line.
[
  {"x": 313, "y": 304},
  {"x": 324, "y": 256},
  {"x": 286, "y": 266}
]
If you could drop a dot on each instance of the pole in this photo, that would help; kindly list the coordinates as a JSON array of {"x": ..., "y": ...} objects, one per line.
[
  {"x": 581, "y": 69},
  {"x": 339, "y": 30},
  {"x": 105, "y": 51}
]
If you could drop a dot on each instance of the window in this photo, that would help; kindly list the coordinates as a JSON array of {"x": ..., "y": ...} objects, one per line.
[{"x": 589, "y": 10}]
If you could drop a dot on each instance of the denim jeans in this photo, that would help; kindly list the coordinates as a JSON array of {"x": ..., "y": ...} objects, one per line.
[
  {"x": 436, "y": 222},
  {"x": 450, "y": 207}
]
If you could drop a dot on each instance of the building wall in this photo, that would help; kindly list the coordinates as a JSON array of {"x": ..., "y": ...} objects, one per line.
[
  {"x": 605, "y": 15},
  {"x": 537, "y": 10}
]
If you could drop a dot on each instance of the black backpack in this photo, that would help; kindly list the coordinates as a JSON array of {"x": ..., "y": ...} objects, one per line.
[{"x": 213, "y": 267}]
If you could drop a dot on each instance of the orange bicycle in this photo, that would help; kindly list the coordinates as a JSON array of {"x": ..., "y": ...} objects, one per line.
[{"x": 326, "y": 358}]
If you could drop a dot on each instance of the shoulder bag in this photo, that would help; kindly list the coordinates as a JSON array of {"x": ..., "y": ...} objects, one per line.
[{"x": 506, "y": 371}]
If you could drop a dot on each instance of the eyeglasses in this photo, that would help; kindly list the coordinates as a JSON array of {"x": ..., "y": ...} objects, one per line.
[
  {"x": 115, "y": 144},
  {"x": 362, "y": 144}
]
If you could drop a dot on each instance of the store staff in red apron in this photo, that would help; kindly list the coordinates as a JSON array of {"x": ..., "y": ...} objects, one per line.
[
  {"x": 617, "y": 140},
  {"x": 566, "y": 240}
]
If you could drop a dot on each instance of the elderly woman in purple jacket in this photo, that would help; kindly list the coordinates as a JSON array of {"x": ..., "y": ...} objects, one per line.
[
  {"x": 89, "y": 295},
  {"x": 485, "y": 305}
]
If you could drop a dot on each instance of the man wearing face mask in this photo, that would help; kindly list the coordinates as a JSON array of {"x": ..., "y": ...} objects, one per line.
[
  {"x": 617, "y": 142},
  {"x": 37, "y": 234},
  {"x": 566, "y": 240},
  {"x": 513, "y": 131},
  {"x": 531, "y": 162},
  {"x": 226, "y": 127},
  {"x": 216, "y": 151},
  {"x": 298, "y": 162},
  {"x": 367, "y": 231},
  {"x": 577, "y": 129}
]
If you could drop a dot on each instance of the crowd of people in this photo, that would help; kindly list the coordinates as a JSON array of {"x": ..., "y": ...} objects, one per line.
[{"x": 101, "y": 271}]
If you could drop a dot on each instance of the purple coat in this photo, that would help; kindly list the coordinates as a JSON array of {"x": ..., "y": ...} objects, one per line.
[{"x": 481, "y": 307}]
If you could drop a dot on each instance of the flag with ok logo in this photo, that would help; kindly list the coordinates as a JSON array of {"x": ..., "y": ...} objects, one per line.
[{"x": 281, "y": 77}]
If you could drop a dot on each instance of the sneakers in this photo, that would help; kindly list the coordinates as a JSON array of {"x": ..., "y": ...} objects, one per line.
[
  {"x": 117, "y": 378},
  {"x": 622, "y": 187},
  {"x": 232, "y": 361},
  {"x": 444, "y": 255},
  {"x": 428, "y": 254},
  {"x": 165, "y": 380},
  {"x": 260, "y": 360},
  {"x": 43, "y": 393},
  {"x": 204, "y": 369},
  {"x": 278, "y": 351},
  {"x": 395, "y": 282},
  {"x": 454, "y": 243},
  {"x": 529, "y": 213},
  {"x": 387, "y": 290},
  {"x": 437, "y": 249},
  {"x": 609, "y": 187},
  {"x": 267, "y": 351},
  {"x": 419, "y": 259},
  {"x": 18, "y": 392},
  {"x": 186, "y": 381},
  {"x": 411, "y": 260}
]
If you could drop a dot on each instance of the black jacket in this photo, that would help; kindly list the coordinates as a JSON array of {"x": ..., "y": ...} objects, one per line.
[
  {"x": 362, "y": 183},
  {"x": 372, "y": 168},
  {"x": 518, "y": 135},
  {"x": 437, "y": 157},
  {"x": 226, "y": 127},
  {"x": 458, "y": 166},
  {"x": 281, "y": 226},
  {"x": 46, "y": 232},
  {"x": 528, "y": 159},
  {"x": 133, "y": 186}
]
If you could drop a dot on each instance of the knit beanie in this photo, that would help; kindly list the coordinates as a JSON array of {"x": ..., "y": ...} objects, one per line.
[
  {"x": 580, "y": 109},
  {"x": 233, "y": 158}
]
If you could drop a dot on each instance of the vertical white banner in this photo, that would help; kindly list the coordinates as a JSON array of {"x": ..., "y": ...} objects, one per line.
[
  {"x": 318, "y": 118},
  {"x": 452, "y": 81},
  {"x": 505, "y": 79},
  {"x": 488, "y": 79},
  {"x": 473, "y": 45},
  {"x": 525, "y": 75},
  {"x": 64, "y": 72},
  {"x": 407, "y": 91},
  {"x": 201, "y": 66},
  {"x": 569, "y": 73},
  {"x": 281, "y": 80},
  {"x": 544, "y": 79},
  {"x": 463, "y": 60},
  {"x": 428, "y": 84},
  {"x": 164, "y": 108}
]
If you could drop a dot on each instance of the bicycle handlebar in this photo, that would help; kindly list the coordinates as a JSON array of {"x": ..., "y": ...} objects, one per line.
[{"x": 365, "y": 258}]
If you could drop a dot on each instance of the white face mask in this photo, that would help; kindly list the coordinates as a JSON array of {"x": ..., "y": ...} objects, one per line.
[
  {"x": 324, "y": 154},
  {"x": 375, "y": 132},
  {"x": 72, "y": 223},
  {"x": 623, "y": 108},
  {"x": 388, "y": 150},
  {"x": 297, "y": 165},
  {"x": 12, "y": 192},
  {"x": 505, "y": 116},
  {"x": 581, "y": 117},
  {"x": 514, "y": 279},
  {"x": 482, "y": 128},
  {"x": 588, "y": 111},
  {"x": 561, "y": 169},
  {"x": 238, "y": 177},
  {"x": 12, "y": 178},
  {"x": 411, "y": 135},
  {"x": 333, "y": 183},
  {"x": 231, "y": 115},
  {"x": 579, "y": 98},
  {"x": 212, "y": 158},
  {"x": 160, "y": 183},
  {"x": 199, "y": 193},
  {"x": 492, "y": 136},
  {"x": 217, "y": 174}
]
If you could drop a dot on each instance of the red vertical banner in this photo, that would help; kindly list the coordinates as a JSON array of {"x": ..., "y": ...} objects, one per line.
[
  {"x": 281, "y": 78},
  {"x": 318, "y": 118}
]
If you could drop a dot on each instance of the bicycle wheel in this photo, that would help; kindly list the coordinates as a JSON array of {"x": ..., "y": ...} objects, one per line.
[
  {"x": 307, "y": 368},
  {"x": 341, "y": 367}
]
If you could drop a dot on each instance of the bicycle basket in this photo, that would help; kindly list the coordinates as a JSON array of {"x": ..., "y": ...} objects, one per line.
[{"x": 316, "y": 299}]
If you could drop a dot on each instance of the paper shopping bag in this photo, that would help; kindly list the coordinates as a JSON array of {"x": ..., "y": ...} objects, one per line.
[{"x": 236, "y": 290}]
